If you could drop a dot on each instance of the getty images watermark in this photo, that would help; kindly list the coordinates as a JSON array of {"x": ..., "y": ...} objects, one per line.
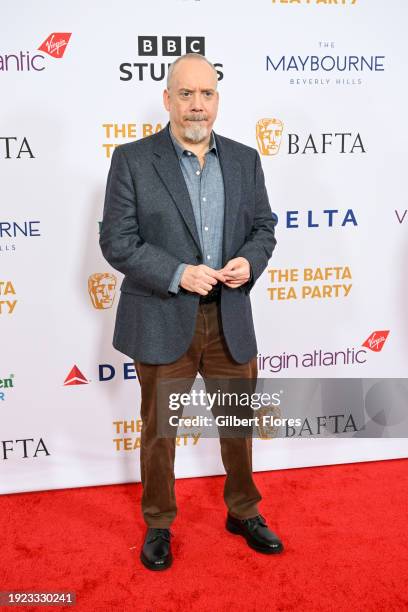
[
  {"x": 287, "y": 408},
  {"x": 223, "y": 399}
]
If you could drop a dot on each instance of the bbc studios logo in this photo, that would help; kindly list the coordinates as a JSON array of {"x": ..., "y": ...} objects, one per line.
[{"x": 165, "y": 49}]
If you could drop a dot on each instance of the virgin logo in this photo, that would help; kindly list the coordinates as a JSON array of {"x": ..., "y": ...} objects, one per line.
[
  {"x": 375, "y": 342},
  {"x": 56, "y": 44}
]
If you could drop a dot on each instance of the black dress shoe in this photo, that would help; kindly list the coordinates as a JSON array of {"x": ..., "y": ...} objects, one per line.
[
  {"x": 156, "y": 551},
  {"x": 256, "y": 533}
]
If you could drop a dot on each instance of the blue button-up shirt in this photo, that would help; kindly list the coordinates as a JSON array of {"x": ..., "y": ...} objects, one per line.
[{"x": 206, "y": 188}]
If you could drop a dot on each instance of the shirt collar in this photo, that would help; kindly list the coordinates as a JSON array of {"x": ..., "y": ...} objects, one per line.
[{"x": 180, "y": 150}]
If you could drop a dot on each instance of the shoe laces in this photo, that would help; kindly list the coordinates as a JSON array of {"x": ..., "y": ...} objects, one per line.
[
  {"x": 254, "y": 522},
  {"x": 158, "y": 532}
]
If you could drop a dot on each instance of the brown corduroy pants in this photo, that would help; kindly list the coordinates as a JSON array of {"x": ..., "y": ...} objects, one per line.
[{"x": 209, "y": 355}]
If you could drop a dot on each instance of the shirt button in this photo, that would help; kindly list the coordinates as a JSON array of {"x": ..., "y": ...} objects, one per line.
[
  {"x": 206, "y": 228},
  {"x": 208, "y": 256},
  {"x": 188, "y": 152},
  {"x": 204, "y": 199},
  {"x": 197, "y": 172}
]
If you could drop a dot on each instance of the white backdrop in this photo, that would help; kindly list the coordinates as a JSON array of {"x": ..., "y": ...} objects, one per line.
[{"x": 52, "y": 186}]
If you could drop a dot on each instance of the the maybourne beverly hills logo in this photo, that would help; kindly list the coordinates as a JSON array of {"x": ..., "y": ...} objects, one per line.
[
  {"x": 272, "y": 139},
  {"x": 13, "y": 232},
  {"x": 54, "y": 45},
  {"x": 101, "y": 289},
  {"x": 168, "y": 48},
  {"x": 317, "y": 358},
  {"x": 325, "y": 66}
]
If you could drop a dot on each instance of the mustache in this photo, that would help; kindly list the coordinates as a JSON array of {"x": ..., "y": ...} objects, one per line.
[{"x": 196, "y": 117}]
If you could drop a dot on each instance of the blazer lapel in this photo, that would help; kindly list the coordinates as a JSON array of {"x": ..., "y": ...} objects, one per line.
[
  {"x": 168, "y": 168},
  {"x": 231, "y": 171}
]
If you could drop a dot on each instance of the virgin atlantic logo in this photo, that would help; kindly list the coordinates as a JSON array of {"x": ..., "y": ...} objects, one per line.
[
  {"x": 376, "y": 341},
  {"x": 55, "y": 44}
]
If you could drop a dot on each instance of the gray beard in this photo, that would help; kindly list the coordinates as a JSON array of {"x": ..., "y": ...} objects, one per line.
[{"x": 195, "y": 133}]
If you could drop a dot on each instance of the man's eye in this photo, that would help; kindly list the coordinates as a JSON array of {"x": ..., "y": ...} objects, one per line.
[
  {"x": 208, "y": 94},
  {"x": 185, "y": 94}
]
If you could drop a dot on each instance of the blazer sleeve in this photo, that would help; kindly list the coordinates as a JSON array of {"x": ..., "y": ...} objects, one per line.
[
  {"x": 120, "y": 241},
  {"x": 261, "y": 241}
]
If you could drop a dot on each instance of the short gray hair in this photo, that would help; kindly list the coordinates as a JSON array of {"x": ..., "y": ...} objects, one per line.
[{"x": 187, "y": 56}]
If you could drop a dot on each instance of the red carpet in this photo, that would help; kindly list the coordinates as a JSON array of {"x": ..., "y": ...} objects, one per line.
[{"x": 344, "y": 528}]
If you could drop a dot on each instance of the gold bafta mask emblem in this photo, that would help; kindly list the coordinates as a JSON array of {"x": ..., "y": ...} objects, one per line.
[
  {"x": 269, "y": 136},
  {"x": 101, "y": 288},
  {"x": 266, "y": 428}
]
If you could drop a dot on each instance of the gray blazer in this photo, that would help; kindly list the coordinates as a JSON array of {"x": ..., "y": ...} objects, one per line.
[{"x": 148, "y": 229}]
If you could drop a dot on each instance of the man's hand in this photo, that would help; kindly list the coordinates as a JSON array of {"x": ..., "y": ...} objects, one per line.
[
  {"x": 201, "y": 279},
  {"x": 237, "y": 272}
]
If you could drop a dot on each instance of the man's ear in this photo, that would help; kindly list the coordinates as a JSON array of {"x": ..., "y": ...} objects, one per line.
[{"x": 166, "y": 100}]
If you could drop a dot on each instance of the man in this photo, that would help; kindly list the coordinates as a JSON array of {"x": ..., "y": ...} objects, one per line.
[{"x": 188, "y": 222}]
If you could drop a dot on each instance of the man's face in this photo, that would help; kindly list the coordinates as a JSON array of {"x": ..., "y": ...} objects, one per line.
[{"x": 192, "y": 100}]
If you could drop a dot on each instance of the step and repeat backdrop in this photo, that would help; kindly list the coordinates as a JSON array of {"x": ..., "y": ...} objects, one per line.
[{"x": 319, "y": 88}]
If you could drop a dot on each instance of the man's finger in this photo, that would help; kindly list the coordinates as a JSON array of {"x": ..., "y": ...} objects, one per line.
[
  {"x": 218, "y": 275},
  {"x": 206, "y": 287},
  {"x": 210, "y": 279},
  {"x": 241, "y": 276}
]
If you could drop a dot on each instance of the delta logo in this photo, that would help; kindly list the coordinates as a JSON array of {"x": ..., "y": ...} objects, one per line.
[
  {"x": 269, "y": 132},
  {"x": 106, "y": 372},
  {"x": 75, "y": 377},
  {"x": 333, "y": 218},
  {"x": 23, "y": 61}
]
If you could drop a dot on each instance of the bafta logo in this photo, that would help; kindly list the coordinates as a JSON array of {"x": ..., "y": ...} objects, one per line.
[
  {"x": 269, "y": 136},
  {"x": 101, "y": 288}
]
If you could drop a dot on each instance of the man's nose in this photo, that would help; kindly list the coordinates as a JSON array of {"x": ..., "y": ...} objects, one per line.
[{"x": 196, "y": 103}]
